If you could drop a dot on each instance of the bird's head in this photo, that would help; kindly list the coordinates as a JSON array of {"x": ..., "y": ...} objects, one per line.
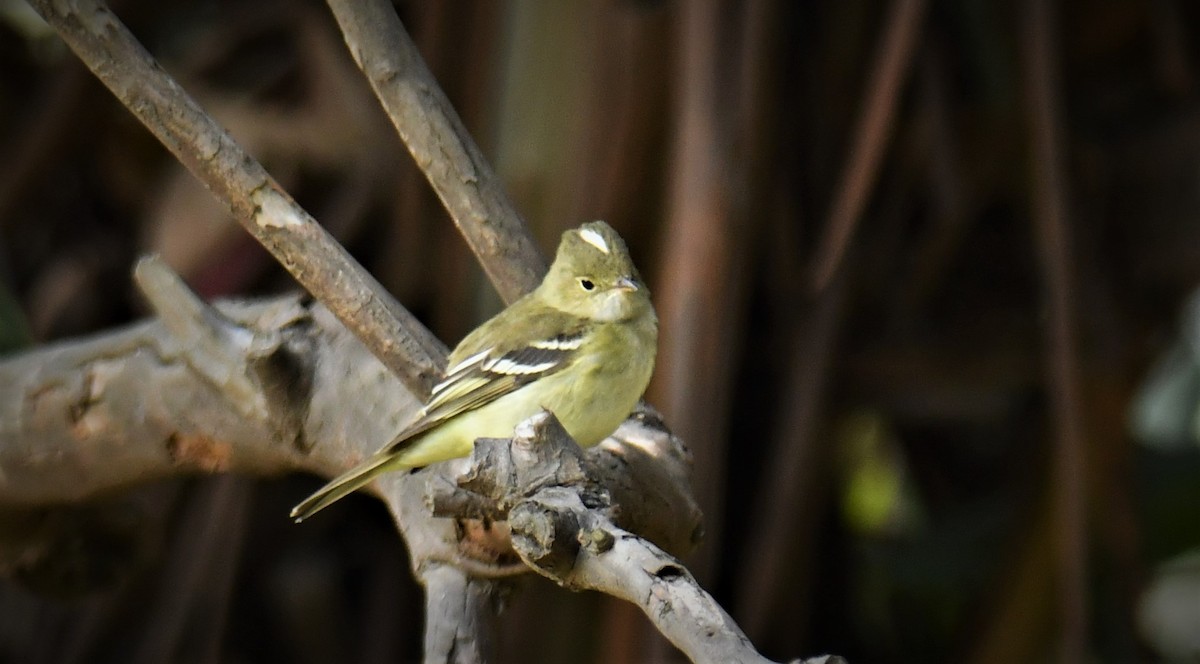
[{"x": 593, "y": 276}]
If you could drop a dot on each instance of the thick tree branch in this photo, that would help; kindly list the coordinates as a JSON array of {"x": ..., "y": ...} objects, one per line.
[
  {"x": 278, "y": 385},
  {"x": 270, "y": 386},
  {"x": 459, "y": 612},
  {"x": 313, "y": 257}
]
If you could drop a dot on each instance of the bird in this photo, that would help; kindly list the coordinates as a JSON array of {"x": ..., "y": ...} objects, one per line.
[{"x": 581, "y": 345}]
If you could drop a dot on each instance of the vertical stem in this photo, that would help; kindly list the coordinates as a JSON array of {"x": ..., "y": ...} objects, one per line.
[
  {"x": 786, "y": 510},
  {"x": 699, "y": 298},
  {"x": 459, "y": 611},
  {"x": 872, "y": 132},
  {"x": 1051, "y": 220}
]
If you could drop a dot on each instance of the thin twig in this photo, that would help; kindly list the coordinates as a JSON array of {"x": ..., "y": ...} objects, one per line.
[
  {"x": 313, "y": 257},
  {"x": 871, "y": 135},
  {"x": 952, "y": 199},
  {"x": 441, "y": 145},
  {"x": 783, "y": 508},
  {"x": 1052, "y": 225},
  {"x": 214, "y": 522},
  {"x": 39, "y": 140}
]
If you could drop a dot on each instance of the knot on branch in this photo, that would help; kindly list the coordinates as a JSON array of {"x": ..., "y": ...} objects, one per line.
[
  {"x": 559, "y": 499},
  {"x": 544, "y": 485},
  {"x": 265, "y": 373},
  {"x": 504, "y": 472},
  {"x": 547, "y": 538},
  {"x": 563, "y": 506}
]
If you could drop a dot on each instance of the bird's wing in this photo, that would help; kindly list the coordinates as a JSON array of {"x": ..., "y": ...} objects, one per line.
[{"x": 490, "y": 373}]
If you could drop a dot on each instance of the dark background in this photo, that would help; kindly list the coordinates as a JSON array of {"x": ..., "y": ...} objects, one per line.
[{"x": 889, "y": 440}]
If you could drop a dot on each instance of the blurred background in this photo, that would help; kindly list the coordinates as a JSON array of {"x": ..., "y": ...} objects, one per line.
[{"x": 924, "y": 271}]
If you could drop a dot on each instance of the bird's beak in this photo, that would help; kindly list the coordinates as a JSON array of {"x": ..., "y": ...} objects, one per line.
[{"x": 627, "y": 284}]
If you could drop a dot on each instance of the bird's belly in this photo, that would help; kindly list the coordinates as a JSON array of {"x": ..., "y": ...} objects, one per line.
[{"x": 590, "y": 415}]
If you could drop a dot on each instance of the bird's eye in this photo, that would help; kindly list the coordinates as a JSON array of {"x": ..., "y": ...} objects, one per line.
[{"x": 587, "y": 284}]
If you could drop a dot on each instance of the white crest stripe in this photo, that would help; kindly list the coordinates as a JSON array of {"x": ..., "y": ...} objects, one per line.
[{"x": 593, "y": 238}]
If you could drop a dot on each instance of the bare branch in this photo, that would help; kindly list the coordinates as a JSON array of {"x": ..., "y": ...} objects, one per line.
[
  {"x": 90, "y": 417},
  {"x": 560, "y": 537},
  {"x": 459, "y": 611},
  {"x": 313, "y": 257},
  {"x": 441, "y": 145},
  {"x": 84, "y": 417},
  {"x": 561, "y": 514}
]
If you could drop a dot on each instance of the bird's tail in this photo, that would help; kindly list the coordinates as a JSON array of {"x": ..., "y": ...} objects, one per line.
[{"x": 343, "y": 485}]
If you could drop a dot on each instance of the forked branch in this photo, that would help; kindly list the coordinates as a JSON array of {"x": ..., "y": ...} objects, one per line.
[{"x": 279, "y": 385}]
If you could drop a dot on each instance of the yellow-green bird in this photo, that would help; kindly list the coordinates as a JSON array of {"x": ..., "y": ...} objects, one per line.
[{"x": 581, "y": 345}]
